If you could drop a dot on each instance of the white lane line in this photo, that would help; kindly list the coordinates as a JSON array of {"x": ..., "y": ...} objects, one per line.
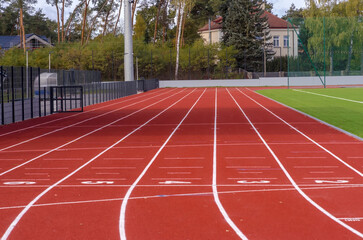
[
  {"x": 70, "y": 116},
  {"x": 23, "y": 179},
  {"x": 302, "y": 193},
  {"x": 307, "y": 137},
  {"x": 181, "y": 167},
  {"x": 189, "y": 158},
  {"x": 214, "y": 184},
  {"x": 330, "y": 178},
  {"x": 85, "y": 135},
  {"x": 122, "y": 220},
  {"x": 327, "y": 172},
  {"x": 245, "y": 157},
  {"x": 252, "y": 167},
  {"x": 122, "y": 159},
  {"x": 191, "y": 194},
  {"x": 250, "y": 172},
  {"x": 316, "y": 166},
  {"x": 161, "y": 179},
  {"x": 47, "y": 168},
  {"x": 100, "y": 179},
  {"x": 239, "y": 178},
  {"x": 9, "y": 159},
  {"x": 107, "y": 173},
  {"x": 63, "y": 159},
  {"x": 36, "y": 173},
  {"x": 177, "y": 173},
  {"x": 74, "y": 124},
  {"x": 328, "y": 96},
  {"x": 306, "y": 157},
  {"x": 25, "y": 210},
  {"x": 110, "y": 168}
]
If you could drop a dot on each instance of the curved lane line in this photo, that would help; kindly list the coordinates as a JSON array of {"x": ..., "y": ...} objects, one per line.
[
  {"x": 122, "y": 220},
  {"x": 302, "y": 193},
  {"x": 214, "y": 186},
  {"x": 25, "y": 210}
]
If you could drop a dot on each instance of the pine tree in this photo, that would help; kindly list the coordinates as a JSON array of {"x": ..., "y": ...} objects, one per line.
[{"x": 245, "y": 27}]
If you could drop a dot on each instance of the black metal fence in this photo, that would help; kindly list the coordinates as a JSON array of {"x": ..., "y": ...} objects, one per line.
[{"x": 25, "y": 92}]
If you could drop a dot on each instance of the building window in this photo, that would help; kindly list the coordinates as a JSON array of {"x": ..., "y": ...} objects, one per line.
[
  {"x": 286, "y": 41},
  {"x": 276, "y": 41}
]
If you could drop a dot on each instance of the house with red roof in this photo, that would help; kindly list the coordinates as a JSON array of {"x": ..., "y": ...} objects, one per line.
[{"x": 283, "y": 40}]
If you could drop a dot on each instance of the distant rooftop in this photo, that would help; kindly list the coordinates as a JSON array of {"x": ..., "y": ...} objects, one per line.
[
  {"x": 7, "y": 42},
  {"x": 274, "y": 22}
]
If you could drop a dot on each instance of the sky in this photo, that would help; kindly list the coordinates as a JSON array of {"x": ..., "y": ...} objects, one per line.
[{"x": 280, "y": 7}]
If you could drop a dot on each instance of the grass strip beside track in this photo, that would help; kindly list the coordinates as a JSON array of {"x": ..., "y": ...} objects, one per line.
[{"x": 336, "y": 111}]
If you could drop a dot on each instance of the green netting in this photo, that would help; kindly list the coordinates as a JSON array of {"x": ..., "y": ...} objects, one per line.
[{"x": 327, "y": 46}]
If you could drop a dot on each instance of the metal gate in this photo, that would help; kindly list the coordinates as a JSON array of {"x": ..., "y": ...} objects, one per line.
[{"x": 66, "y": 99}]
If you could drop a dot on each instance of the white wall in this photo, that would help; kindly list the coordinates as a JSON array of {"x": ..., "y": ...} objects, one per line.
[{"x": 293, "y": 81}]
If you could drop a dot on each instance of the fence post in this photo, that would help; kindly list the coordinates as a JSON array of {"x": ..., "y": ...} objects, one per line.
[
  {"x": 22, "y": 94},
  {"x": 2, "y": 96},
  {"x": 31, "y": 93},
  {"x": 12, "y": 94},
  {"x": 208, "y": 70},
  {"x": 40, "y": 107},
  {"x": 189, "y": 65}
]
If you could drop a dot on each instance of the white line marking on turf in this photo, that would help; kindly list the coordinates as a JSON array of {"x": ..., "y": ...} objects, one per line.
[
  {"x": 214, "y": 187},
  {"x": 307, "y": 137},
  {"x": 89, "y": 133},
  {"x": 24, "y": 211},
  {"x": 122, "y": 220},
  {"x": 323, "y": 95},
  {"x": 302, "y": 193}
]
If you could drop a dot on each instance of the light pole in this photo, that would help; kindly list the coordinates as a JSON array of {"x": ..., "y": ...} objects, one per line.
[
  {"x": 128, "y": 59},
  {"x": 26, "y": 73},
  {"x": 49, "y": 60}
]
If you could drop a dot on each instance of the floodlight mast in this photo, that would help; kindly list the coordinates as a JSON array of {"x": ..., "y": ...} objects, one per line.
[{"x": 128, "y": 59}]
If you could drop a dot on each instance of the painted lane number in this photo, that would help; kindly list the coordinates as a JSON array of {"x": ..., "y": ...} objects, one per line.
[
  {"x": 19, "y": 183},
  {"x": 97, "y": 182},
  {"x": 254, "y": 182},
  {"x": 328, "y": 181}
]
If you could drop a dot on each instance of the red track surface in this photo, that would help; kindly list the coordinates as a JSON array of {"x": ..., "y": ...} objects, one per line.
[{"x": 180, "y": 164}]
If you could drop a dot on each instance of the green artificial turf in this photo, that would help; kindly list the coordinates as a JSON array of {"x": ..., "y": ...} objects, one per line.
[{"x": 340, "y": 113}]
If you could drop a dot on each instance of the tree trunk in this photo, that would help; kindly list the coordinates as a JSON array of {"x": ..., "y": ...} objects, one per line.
[
  {"x": 71, "y": 17},
  {"x": 118, "y": 19},
  {"x": 106, "y": 20},
  {"x": 22, "y": 31},
  {"x": 133, "y": 11},
  {"x": 157, "y": 20},
  {"x": 84, "y": 21},
  {"x": 181, "y": 14},
  {"x": 63, "y": 3},
  {"x": 58, "y": 22},
  {"x": 94, "y": 22},
  {"x": 183, "y": 25}
]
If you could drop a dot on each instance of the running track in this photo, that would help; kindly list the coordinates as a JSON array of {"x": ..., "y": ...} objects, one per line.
[{"x": 216, "y": 163}]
